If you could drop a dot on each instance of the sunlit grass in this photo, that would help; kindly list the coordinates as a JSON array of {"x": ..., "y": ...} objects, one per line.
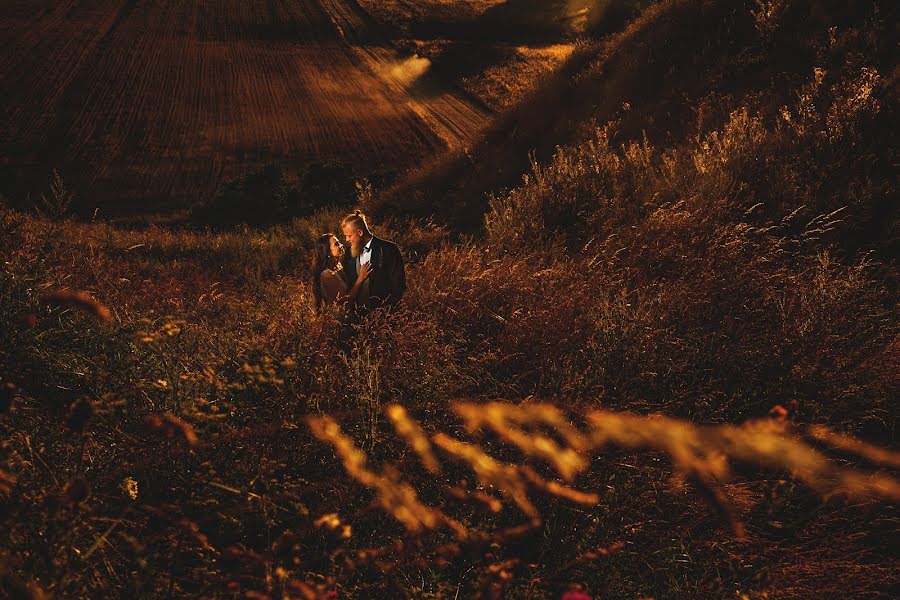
[{"x": 662, "y": 368}]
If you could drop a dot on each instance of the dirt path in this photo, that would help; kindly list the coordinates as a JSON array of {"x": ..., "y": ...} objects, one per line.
[{"x": 453, "y": 115}]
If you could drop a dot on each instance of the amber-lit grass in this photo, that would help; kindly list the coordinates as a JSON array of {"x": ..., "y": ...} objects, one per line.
[
  {"x": 224, "y": 369},
  {"x": 660, "y": 344},
  {"x": 502, "y": 85},
  {"x": 498, "y": 75},
  {"x": 657, "y": 79},
  {"x": 699, "y": 454}
]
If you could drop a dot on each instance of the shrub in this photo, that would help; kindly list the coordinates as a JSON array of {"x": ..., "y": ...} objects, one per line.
[{"x": 268, "y": 196}]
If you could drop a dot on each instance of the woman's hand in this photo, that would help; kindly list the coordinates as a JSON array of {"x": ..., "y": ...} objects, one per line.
[{"x": 364, "y": 272}]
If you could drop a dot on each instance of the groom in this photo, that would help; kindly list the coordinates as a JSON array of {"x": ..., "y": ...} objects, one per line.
[{"x": 385, "y": 285}]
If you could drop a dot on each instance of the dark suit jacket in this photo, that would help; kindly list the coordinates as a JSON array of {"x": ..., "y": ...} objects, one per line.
[{"x": 387, "y": 282}]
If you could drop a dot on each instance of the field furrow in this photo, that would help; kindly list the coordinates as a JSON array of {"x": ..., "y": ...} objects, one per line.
[
  {"x": 41, "y": 65},
  {"x": 147, "y": 105}
]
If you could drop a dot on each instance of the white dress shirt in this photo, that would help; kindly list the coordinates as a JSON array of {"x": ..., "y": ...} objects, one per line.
[{"x": 366, "y": 255}]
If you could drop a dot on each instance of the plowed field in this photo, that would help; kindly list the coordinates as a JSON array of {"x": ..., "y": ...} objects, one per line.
[{"x": 147, "y": 106}]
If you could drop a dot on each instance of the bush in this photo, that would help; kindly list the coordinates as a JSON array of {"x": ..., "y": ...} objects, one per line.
[{"x": 268, "y": 197}]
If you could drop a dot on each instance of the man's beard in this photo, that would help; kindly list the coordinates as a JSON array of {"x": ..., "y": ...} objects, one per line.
[{"x": 356, "y": 248}]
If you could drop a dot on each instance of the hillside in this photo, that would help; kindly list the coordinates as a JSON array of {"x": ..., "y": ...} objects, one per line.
[
  {"x": 661, "y": 81},
  {"x": 656, "y": 358}
]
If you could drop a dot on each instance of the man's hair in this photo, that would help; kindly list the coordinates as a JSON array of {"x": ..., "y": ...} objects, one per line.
[{"x": 358, "y": 220}]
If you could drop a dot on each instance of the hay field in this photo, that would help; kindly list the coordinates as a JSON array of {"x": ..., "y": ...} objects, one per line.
[{"x": 150, "y": 105}]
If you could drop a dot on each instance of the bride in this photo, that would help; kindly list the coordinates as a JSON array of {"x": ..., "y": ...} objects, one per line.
[{"x": 327, "y": 282}]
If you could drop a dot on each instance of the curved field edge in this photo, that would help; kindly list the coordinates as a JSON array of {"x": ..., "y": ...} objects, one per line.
[{"x": 145, "y": 110}]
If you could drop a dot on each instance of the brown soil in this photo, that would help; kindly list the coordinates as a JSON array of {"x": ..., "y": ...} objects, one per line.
[{"x": 149, "y": 106}]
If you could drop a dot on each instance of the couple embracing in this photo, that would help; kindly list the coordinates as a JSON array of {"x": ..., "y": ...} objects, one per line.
[{"x": 371, "y": 275}]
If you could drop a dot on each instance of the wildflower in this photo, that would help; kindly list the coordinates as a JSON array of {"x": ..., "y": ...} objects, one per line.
[
  {"x": 130, "y": 487},
  {"x": 333, "y": 522},
  {"x": 778, "y": 413},
  {"x": 576, "y": 593}
]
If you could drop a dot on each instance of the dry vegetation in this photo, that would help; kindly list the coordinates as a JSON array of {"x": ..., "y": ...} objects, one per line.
[
  {"x": 403, "y": 14},
  {"x": 658, "y": 80},
  {"x": 666, "y": 367},
  {"x": 505, "y": 84},
  {"x": 498, "y": 75}
]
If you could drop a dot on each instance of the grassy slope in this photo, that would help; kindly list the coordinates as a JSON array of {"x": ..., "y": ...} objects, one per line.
[
  {"x": 657, "y": 78},
  {"x": 697, "y": 275}
]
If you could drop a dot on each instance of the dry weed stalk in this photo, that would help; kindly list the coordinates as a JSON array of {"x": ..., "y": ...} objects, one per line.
[
  {"x": 409, "y": 430},
  {"x": 79, "y": 300},
  {"x": 593, "y": 555},
  {"x": 476, "y": 497},
  {"x": 7, "y": 482},
  {"x": 555, "y": 489},
  {"x": 507, "y": 423},
  {"x": 400, "y": 551},
  {"x": 193, "y": 533},
  {"x": 491, "y": 473},
  {"x": 873, "y": 454},
  {"x": 171, "y": 426},
  {"x": 396, "y": 497},
  {"x": 512, "y": 481},
  {"x": 700, "y": 454}
]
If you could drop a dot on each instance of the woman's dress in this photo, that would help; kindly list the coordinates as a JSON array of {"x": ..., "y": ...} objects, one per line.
[{"x": 332, "y": 285}]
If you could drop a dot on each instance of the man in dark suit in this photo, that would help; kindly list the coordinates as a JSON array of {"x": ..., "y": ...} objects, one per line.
[{"x": 387, "y": 279}]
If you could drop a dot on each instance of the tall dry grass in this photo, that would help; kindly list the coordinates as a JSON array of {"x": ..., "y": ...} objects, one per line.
[
  {"x": 658, "y": 79},
  {"x": 658, "y": 291},
  {"x": 700, "y": 455}
]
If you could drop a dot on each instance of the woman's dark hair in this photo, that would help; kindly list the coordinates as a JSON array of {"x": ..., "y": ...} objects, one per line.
[{"x": 321, "y": 260}]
